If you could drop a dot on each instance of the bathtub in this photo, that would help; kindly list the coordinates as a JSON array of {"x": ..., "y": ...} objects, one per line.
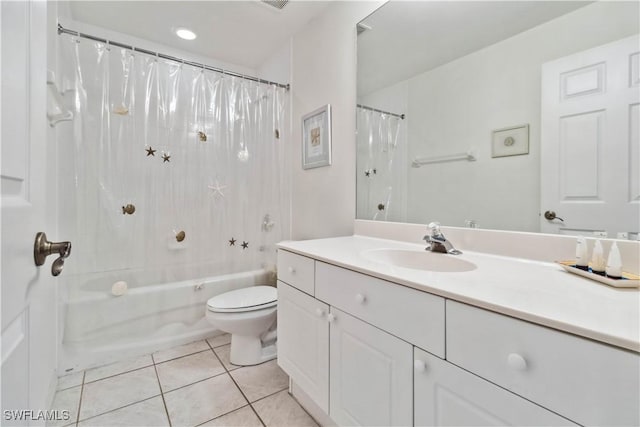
[{"x": 101, "y": 328}]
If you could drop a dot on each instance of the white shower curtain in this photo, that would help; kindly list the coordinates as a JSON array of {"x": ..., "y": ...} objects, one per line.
[
  {"x": 380, "y": 166},
  {"x": 199, "y": 154}
]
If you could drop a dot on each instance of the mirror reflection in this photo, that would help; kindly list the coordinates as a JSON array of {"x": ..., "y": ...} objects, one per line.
[{"x": 518, "y": 116}]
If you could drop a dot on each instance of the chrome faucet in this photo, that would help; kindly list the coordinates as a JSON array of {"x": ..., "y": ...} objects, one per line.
[{"x": 437, "y": 242}]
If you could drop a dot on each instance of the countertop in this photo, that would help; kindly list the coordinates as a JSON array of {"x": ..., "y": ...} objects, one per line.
[{"x": 539, "y": 292}]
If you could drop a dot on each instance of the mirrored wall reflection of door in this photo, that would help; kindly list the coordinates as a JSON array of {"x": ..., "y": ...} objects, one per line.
[
  {"x": 381, "y": 175},
  {"x": 590, "y": 146}
]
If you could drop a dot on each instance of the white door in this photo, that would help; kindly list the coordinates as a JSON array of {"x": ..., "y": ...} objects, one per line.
[
  {"x": 28, "y": 293},
  {"x": 590, "y": 145},
  {"x": 445, "y": 395},
  {"x": 303, "y": 342},
  {"x": 371, "y": 375}
]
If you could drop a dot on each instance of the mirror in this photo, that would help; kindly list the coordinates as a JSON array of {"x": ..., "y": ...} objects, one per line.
[{"x": 508, "y": 115}]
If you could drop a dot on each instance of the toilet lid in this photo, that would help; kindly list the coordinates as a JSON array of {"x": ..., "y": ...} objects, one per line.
[{"x": 246, "y": 299}]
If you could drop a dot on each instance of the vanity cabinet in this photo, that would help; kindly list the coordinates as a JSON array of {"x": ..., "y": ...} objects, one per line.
[
  {"x": 445, "y": 395},
  {"x": 371, "y": 352},
  {"x": 586, "y": 381},
  {"x": 303, "y": 342},
  {"x": 370, "y": 379}
]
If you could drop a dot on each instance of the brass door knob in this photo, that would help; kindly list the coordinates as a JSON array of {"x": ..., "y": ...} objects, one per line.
[{"x": 43, "y": 248}]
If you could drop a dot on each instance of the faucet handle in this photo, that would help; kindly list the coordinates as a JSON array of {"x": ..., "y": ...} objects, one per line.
[{"x": 435, "y": 228}]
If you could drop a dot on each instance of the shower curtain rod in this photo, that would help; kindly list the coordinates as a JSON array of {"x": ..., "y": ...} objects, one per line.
[
  {"x": 364, "y": 107},
  {"x": 62, "y": 30}
]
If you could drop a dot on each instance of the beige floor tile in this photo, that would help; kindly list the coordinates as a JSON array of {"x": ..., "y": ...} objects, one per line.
[
  {"x": 219, "y": 340},
  {"x": 70, "y": 380},
  {"x": 115, "y": 392},
  {"x": 188, "y": 369},
  {"x": 203, "y": 401},
  {"x": 261, "y": 380},
  {"x": 148, "y": 413},
  {"x": 118, "y": 368},
  {"x": 223, "y": 353},
  {"x": 243, "y": 417},
  {"x": 182, "y": 350},
  {"x": 66, "y": 400},
  {"x": 282, "y": 410}
]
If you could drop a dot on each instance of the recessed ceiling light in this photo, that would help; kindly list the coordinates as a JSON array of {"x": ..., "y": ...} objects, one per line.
[{"x": 183, "y": 33}]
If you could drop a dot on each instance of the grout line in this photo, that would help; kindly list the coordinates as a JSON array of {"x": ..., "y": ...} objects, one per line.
[
  {"x": 238, "y": 386},
  {"x": 222, "y": 415},
  {"x": 80, "y": 400},
  {"x": 115, "y": 375},
  {"x": 164, "y": 403},
  {"x": 304, "y": 409},
  {"x": 269, "y": 395},
  {"x": 180, "y": 357},
  {"x": 117, "y": 409}
]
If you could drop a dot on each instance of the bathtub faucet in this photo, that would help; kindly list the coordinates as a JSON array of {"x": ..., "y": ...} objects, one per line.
[{"x": 267, "y": 224}]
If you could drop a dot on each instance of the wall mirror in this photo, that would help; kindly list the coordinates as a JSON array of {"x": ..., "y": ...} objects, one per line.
[{"x": 509, "y": 115}]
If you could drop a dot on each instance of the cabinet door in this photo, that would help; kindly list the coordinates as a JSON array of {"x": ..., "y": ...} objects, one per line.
[
  {"x": 303, "y": 342},
  {"x": 370, "y": 376},
  {"x": 446, "y": 395}
]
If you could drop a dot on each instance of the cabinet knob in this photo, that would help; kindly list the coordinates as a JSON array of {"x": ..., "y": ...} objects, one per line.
[
  {"x": 419, "y": 366},
  {"x": 516, "y": 362},
  {"x": 319, "y": 312},
  {"x": 360, "y": 299},
  {"x": 291, "y": 270},
  {"x": 331, "y": 318}
]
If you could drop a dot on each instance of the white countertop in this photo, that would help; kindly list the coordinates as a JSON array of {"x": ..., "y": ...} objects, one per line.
[{"x": 538, "y": 292}]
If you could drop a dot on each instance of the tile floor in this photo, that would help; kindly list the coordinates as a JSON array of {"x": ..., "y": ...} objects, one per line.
[{"x": 189, "y": 385}]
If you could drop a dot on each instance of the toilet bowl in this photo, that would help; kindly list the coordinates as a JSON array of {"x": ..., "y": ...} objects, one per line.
[{"x": 249, "y": 315}]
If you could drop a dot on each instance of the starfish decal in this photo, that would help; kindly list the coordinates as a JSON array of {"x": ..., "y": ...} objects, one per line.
[
  {"x": 166, "y": 157},
  {"x": 245, "y": 245},
  {"x": 150, "y": 151},
  {"x": 232, "y": 242},
  {"x": 375, "y": 171},
  {"x": 367, "y": 173},
  {"x": 217, "y": 189}
]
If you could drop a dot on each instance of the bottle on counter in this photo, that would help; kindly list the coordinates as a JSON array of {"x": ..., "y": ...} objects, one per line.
[
  {"x": 582, "y": 257},
  {"x": 598, "y": 264},
  {"x": 614, "y": 263}
]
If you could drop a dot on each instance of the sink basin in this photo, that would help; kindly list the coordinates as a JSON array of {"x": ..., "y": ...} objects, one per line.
[{"x": 419, "y": 260}]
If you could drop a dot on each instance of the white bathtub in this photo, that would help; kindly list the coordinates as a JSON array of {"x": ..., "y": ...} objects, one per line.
[{"x": 100, "y": 328}]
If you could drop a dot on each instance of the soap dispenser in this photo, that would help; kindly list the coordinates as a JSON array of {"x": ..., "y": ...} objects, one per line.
[
  {"x": 597, "y": 259},
  {"x": 614, "y": 263},
  {"x": 582, "y": 259}
]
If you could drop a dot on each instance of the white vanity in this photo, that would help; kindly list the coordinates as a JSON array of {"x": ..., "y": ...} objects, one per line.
[{"x": 491, "y": 340}]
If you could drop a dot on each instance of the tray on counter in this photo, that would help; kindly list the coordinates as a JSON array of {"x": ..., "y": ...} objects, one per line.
[{"x": 628, "y": 280}]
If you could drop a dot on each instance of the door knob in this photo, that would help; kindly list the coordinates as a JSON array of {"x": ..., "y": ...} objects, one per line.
[
  {"x": 551, "y": 215},
  {"x": 43, "y": 248}
]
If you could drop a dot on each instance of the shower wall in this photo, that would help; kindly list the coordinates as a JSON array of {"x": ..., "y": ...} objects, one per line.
[{"x": 168, "y": 173}]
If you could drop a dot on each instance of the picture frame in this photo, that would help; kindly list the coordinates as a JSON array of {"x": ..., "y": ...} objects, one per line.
[
  {"x": 316, "y": 138},
  {"x": 511, "y": 141}
]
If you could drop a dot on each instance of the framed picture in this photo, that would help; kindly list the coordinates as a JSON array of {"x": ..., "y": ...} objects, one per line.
[
  {"x": 316, "y": 138},
  {"x": 511, "y": 141}
]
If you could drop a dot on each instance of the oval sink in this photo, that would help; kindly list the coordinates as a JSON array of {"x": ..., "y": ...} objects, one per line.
[{"x": 419, "y": 260}]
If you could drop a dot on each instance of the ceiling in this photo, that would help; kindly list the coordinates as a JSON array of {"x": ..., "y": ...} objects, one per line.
[
  {"x": 410, "y": 37},
  {"x": 239, "y": 32}
]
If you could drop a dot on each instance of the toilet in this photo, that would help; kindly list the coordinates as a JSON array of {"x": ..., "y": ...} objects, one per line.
[{"x": 249, "y": 315}]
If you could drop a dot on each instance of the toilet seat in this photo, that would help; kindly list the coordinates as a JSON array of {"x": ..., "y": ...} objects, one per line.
[{"x": 242, "y": 300}]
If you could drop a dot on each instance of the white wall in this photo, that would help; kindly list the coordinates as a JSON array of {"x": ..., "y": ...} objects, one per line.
[
  {"x": 323, "y": 71},
  {"x": 456, "y": 106}
]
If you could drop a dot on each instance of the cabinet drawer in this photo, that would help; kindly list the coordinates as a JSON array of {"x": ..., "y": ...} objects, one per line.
[
  {"x": 414, "y": 316},
  {"x": 445, "y": 395},
  {"x": 296, "y": 270},
  {"x": 585, "y": 381}
]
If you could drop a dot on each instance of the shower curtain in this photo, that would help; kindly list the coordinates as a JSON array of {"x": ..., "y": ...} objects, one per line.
[
  {"x": 381, "y": 176},
  {"x": 169, "y": 172}
]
